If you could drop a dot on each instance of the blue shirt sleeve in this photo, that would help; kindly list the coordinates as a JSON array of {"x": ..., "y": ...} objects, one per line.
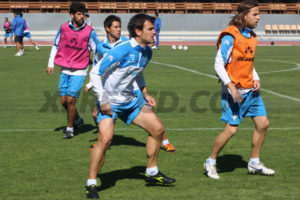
[
  {"x": 95, "y": 40},
  {"x": 225, "y": 48},
  {"x": 13, "y": 26}
]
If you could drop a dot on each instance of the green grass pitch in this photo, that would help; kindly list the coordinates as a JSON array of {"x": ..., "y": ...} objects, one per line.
[{"x": 37, "y": 164}]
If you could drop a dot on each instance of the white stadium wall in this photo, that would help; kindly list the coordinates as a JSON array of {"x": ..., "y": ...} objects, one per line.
[{"x": 184, "y": 27}]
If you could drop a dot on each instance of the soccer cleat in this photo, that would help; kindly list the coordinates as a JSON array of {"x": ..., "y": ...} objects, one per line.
[
  {"x": 20, "y": 53},
  {"x": 68, "y": 134},
  {"x": 211, "y": 171},
  {"x": 169, "y": 148},
  {"x": 260, "y": 168},
  {"x": 36, "y": 47},
  {"x": 91, "y": 192},
  {"x": 159, "y": 178},
  {"x": 91, "y": 147},
  {"x": 78, "y": 122}
]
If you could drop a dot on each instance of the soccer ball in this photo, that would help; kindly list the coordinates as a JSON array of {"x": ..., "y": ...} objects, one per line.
[
  {"x": 180, "y": 47},
  {"x": 185, "y": 48},
  {"x": 174, "y": 47}
]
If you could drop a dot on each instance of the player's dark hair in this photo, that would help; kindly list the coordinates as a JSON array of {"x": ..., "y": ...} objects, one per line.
[
  {"x": 109, "y": 20},
  {"x": 243, "y": 9},
  {"x": 18, "y": 12},
  {"x": 137, "y": 22},
  {"x": 86, "y": 15},
  {"x": 77, "y": 6},
  {"x": 156, "y": 14}
]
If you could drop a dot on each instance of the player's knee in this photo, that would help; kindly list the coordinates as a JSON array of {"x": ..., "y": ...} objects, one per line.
[
  {"x": 105, "y": 142},
  {"x": 159, "y": 131},
  {"x": 263, "y": 126},
  {"x": 232, "y": 130},
  {"x": 71, "y": 100},
  {"x": 63, "y": 101}
]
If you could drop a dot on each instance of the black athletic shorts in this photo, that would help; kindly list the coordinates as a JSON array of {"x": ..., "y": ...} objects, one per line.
[{"x": 19, "y": 39}]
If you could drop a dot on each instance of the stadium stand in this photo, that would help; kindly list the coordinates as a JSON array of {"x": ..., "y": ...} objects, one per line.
[
  {"x": 182, "y": 20},
  {"x": 268, "y": 28},
  {"x": 177, "y": 7}
]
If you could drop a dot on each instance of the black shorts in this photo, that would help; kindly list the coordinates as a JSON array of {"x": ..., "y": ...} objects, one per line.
[{"x": 19, "y": 39}]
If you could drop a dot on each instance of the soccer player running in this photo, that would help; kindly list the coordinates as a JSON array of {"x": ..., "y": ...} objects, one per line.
[
  {"x": 71, "y": 51},
  {"x": 120, "y": 68},
  {"x": 28, "y": 35},
  {"x": 7, "y": 29},
  {"x": 240, "y": 87},
  {"x": 18, "y": 27},
  {"x": 112, "y": 25}
]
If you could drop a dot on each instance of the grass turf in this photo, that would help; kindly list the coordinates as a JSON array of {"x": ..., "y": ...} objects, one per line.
[{"x": 37, "y": 164}]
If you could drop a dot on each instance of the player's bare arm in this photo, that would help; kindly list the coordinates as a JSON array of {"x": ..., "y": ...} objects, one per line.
[
  {"x": 50, "y": 71},
  {"x": 150, "y": 101},
  {"x": 237, "y": 97}
]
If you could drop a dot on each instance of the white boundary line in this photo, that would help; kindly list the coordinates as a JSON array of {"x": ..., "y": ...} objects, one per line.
[
  {"x": 211, "y": 76},
  {"x": 283, "y": 70},
  {"x": 131, "y": 130}
]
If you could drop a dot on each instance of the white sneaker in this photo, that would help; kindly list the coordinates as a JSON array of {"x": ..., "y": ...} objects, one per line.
[
  {"x": 260, "y": 168},
  {"x": 211, "y": 170},
  {"x": 20, "y": 53},
  {"x": 36, "y": 47},
  {"x": 154, "y": 47}
]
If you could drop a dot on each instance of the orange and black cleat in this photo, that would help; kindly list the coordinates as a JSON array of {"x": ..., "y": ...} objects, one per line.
[{"x": 169, "y": 148}]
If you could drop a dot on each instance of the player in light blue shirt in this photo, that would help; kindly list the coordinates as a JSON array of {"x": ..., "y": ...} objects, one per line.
[
  {"x": 157, "y": 25},
  {"x": 120, "y": 68},
  {"x": 112, "y": 25}
]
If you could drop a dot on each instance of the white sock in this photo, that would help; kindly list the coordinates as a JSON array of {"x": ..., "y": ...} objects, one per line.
[
  {"x": 254, "y": 161},
  {"x": 91, "y": 182},
  {"x": 211, "y": 161},
  {"x": 70, "y": 129},
  {"x": 152, "y": 171},
  {"x": 166, "y": 141}
]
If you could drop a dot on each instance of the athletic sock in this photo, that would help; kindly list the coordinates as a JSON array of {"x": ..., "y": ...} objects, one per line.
[
  {"x": 166, "y": 141},
  {"x": 70, "y": 129},
  {"x": 91, "y": 182},
  {"x": 254, "y": 161},
  {"x": 152, "y": 171},
  {"x": 211, "y": 161}
]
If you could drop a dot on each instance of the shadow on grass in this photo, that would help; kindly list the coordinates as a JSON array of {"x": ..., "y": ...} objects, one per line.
[
  {"x": 110, "y": 179},
  {"x": 229, "y": 162},
  {"x": 79, "y": 130},
  {"x": 123, "y": 140}
]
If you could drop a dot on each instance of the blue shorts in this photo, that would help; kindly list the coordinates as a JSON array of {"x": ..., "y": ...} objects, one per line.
[
  {"x": 7, "y": 35},
  {"x": 252, "y": 106},
  {"x": 70, "y": 85},
  {"x": 127, "y": 112},
  {"x": 27, "y": 34}
]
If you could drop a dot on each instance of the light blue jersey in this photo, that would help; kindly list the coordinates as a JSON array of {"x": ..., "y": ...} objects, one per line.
[
  {"x": 105, "y": 47},
  {"x": 120, "y": 68}
]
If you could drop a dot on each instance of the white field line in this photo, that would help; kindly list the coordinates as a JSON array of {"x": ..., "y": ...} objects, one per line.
[
  {"x": 211, "y": 76},
  {"x": 283, "y": 70},
  {"x": 168, "y": 129}
]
